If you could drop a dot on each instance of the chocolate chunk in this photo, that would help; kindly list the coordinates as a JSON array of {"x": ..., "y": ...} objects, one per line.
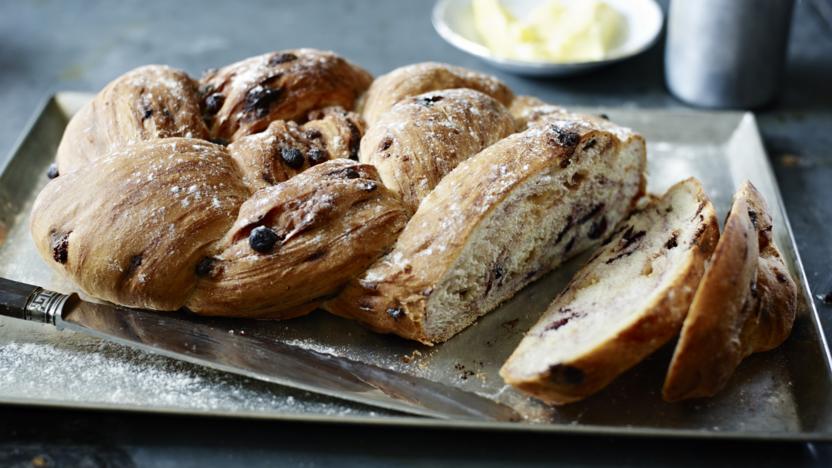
[
  {"x": 672, "y": 242},
  {"x": 313, "y": 134},
  {"x": 135, "y": 263},
  {"x": 259, "y": 100},
  {"x": 781, "y": 278},
  {"x": 52, "y": 172},
  {"x": 592, "y": 213},
  {"x": 395, "y": 312},
  {"x": 279, "y": 58},
  {"x": 355, "y": 139},
  {"x": 263, "y": 239},
  {"x": 604, "y": 116},
  {"x": 598, "y": 228},
  {"x": 621, "y": 255},
  {"x": 629, "y": 238},
  {"x": 827, "y": 298},
  {"x": 292, "y": 157},
  {"x": 565, "y": 137},
  {"x": 317, "y": 156},
  {"x": 567, "y": 315},
  {"x": 147, "y": 112},
  {"x": 497, "y": 272},
  {"x": 351, "y": 173},
  {"x": 427, "y": 101},
  {"x": 213, "y": 103},
  {"x": 60, "y": 247},
  {"x": 386, "y": 143},
  {"x": 566, "y": 375},
  {"x": 753, "y": 215},
  {"x": 565, "y": 229},
  {"x": 590, "y": 144},
  {"x": 205, "y": 266}
]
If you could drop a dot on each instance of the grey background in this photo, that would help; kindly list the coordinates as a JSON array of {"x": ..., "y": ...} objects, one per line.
[{"x": 46, "y": 46}]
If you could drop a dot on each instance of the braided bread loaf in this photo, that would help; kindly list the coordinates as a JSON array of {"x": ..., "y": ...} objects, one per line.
[
  {"x": 146, "y": 212},
  {"x": 239, "y": 194}
]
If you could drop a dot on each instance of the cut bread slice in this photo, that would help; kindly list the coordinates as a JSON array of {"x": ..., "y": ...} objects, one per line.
[
  {"x": 744, "y": 304},
  {"x": 625, "y": 303},
  {"x": 498, "y": 221}
]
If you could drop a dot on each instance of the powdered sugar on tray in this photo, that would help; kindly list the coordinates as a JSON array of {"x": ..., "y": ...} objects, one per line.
[{"x": 89, "y": 371}]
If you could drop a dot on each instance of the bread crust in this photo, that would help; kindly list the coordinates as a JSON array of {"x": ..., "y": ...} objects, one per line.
[
  {"x": 527, "y": 110},
  {"x": 287, "y": 148},
  {"x": 574, "y": 379},
  {"x": 418, "y": 78},
  {"x": 422, "y": 138},
  {"x": 147, "y": 103},
  {"x": 245, "y": 97},
  {"x": 392, "y": 296},
  {"x": 139, "y": 220},
  {"x": 744, "y": 304},
  {"x": 332, "y": 222},
  {"x": 707, "y": 352}
]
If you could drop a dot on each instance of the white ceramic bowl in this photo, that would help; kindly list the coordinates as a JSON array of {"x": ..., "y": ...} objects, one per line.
[{"x": 453, "y": 20}]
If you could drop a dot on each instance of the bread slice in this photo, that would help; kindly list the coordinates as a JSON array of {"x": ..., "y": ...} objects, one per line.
[
  {"x": 497, "y": 222},
  {"x": 744, "y": 304},
  {"x": 625, "y": 303}
]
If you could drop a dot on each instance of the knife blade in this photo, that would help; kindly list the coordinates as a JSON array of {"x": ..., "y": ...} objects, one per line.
[{"x": 200, "y": 341}]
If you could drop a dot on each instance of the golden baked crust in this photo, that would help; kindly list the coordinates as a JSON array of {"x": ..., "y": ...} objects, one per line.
[
  {"x": 422, "y": 138},
  {"x": 287, "y": 148},
  {"x": 245, "y": 97},
  {"x": 528, "y": 109},
  {"x": 773, "y": 306},
  {"x": 331, "y": 221},
  {"x": 147, "y": 103},
  {"x": 132, "y": 226},
  {"x": 745, "y": 303},
  {"x": 419, "y": 78}
]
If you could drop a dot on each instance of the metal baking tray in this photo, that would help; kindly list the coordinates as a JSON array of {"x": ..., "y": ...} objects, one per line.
[{"x": 782, "y": 394}]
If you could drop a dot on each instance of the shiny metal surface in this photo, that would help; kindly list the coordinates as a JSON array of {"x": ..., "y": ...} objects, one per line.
[
  {"x": 216, "y": 344},
  {"x": 727, "y": 53},
  {"x": 784, "y": 394}
]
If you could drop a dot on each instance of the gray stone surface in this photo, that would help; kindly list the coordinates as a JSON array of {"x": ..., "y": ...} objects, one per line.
[{"x": 47, "y": 46}]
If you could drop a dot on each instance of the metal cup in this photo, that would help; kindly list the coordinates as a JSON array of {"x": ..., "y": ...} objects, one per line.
[{"x": 727, "y": 53}]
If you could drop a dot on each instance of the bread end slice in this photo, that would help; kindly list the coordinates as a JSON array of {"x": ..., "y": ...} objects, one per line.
[{"x": 744, "y": 304}]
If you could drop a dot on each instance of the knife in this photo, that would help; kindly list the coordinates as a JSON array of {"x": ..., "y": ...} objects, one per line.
[{"x": 189, "y": 338}]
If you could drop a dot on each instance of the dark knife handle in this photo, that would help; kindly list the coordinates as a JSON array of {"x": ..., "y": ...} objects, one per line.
[{"x": 27, "y": 302}]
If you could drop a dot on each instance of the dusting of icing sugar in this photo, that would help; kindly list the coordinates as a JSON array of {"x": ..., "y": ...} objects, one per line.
[{"x": 84, "y": 370}]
